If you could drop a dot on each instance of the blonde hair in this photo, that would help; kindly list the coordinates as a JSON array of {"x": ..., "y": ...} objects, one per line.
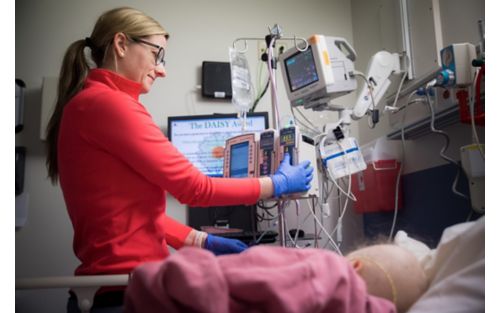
[{"x": 75, "y": 67}]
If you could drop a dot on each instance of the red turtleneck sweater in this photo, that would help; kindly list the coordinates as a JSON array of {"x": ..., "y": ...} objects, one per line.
[{"x": 115, "y": 167}]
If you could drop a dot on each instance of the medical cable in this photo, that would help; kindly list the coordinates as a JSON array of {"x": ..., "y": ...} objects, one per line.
[
  {"x": 287, "y": 232},
  {"x": 395, "y": 110},
  {"x": 348, "y": 194},
  {"x": 326, "y": 193},
  {"x": 447, "y": 141},
  {"x": 298, "y": 121},
  {"x": 400, "y": 172},
  {"x": 338, "y": 226},
  {"x": 262, "y": 236},
  {"x": 299, "y": 226},
  {"x": 331, "y": 176},
  {"x": 266, "y": 211},
  {"x": 323, "y": 229},
  {"x": 371, "y": 125},
  {"x": 259, "y": 97},
  {"x": 403, "y": 149},
  {"x": 313, "y": 127},
  {"x": 403, "y": 78},
  {"x": 399, "y": 89},
  {"x": 261, "y": 205}
]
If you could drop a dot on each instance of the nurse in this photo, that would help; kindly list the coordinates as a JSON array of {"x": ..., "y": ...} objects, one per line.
[{"x": 115, "y": 166}]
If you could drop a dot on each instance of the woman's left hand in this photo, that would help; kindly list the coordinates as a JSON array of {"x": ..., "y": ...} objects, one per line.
[{"x": 220, "y": 245}]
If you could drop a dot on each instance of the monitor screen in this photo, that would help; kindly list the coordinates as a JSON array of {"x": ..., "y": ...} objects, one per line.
[
  {"x": 201, "y": 138},
  {"x": 301, "y": 69},
  {"x": 239, "y": 160}
]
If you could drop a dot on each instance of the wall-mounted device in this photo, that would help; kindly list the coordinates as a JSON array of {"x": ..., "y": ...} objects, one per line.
[
  {"x": 240, "y": 156},
  {"x": 320, "y": 73},
  {"x": 456, "y": 63},
  {"x": 267, "y": 153},
  {"x": 216, "y": 80}
]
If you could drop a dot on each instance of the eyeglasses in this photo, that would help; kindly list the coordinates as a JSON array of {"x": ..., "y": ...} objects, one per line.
[{"x": 160, "y": 55}]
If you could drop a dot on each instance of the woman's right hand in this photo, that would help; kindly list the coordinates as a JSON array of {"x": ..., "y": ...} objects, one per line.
[{"x": 292, "y": 178}]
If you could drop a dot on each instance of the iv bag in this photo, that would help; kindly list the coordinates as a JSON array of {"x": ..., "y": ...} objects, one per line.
[{"x": 241, "y": 83}]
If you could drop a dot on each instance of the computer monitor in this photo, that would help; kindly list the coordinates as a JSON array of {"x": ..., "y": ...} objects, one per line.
[{"x": 201, "y": 138}]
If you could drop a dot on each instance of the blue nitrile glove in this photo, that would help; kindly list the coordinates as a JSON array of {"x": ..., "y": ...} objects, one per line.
[
  {"x": 292, "y": 178},
  {"x": 220, "y": 245}
]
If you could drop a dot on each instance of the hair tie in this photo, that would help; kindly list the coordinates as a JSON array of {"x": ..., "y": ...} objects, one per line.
[{"x": 89, "y": 43}]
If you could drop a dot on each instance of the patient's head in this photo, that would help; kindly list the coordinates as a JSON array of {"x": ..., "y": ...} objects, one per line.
[{"x": 390, "y": 272}]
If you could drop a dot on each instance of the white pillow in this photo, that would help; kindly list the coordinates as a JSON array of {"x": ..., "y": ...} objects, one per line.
[{"x": 456, "y": 271}]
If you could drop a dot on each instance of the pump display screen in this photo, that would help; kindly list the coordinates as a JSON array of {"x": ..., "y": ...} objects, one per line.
[
  {"x": 239, "y": 160},
  {"x": 287, "y": 141},
  {"x": 301, "y": 70}
]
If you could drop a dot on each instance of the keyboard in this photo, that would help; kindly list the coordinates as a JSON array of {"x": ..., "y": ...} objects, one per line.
[{"x": 248, "y": 236}]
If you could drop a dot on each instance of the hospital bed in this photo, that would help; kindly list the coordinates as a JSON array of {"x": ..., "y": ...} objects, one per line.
[{"x": 456, "y": 270}]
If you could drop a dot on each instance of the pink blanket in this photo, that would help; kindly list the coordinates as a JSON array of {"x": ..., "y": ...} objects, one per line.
[{"x": 261, "y": 279}]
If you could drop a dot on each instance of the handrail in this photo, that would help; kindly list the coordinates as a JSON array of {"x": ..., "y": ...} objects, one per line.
[
  {"x": 83, "y": 286},
  {"x": 72, "y": 281}
]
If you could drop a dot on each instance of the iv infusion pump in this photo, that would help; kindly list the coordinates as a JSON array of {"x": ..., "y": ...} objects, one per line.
[
  {"x": 289, "y": 143},
  {"x": 268, "y": 152},
  {"x": 251, "y": 154},
  {"x": 260, "y": 154},
  {"x": 240, "y": 156}
]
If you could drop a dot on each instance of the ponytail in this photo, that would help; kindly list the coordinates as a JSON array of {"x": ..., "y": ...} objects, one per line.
[{"x": 74, "y": 70}]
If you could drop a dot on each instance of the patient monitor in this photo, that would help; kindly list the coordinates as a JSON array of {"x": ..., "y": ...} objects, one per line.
[
  {"x": 325, "y": 71},
  {"x": 320, "y": 73}
]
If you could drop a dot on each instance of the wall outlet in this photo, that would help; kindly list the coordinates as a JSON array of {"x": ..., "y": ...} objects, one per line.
[
  {"x": 261, "y": 47},
  {"x": 280, "y": 47}
]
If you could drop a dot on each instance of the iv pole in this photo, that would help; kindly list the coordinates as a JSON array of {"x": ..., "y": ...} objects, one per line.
[{"x": 274, "y": 34}]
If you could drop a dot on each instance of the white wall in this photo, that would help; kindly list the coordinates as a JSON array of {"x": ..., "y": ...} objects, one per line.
[{"x": 200, "y": 30}]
